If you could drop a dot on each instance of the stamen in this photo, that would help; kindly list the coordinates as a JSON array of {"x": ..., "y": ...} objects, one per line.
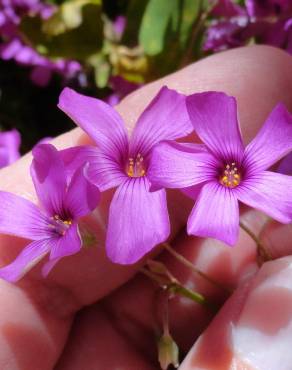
[
  {"x": 230, "y": 176},
  {"x": 136, "y": 167},
  {"x": 60, "y": 226}
]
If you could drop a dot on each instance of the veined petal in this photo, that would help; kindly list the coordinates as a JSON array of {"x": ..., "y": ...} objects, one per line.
[
  {"x": 77, "y": 156},
  {"x": 82, "y": 196},
  {"x": 138, "y": 221},
  {"x": 270, "y": 193},
  {"x": 165, "y": 118},
  {"x": 25, "y": 261},
  {"x": 48, "y": 174},
  {"x": 103, "y": 171},
  {"x": 214, "y": 117},
  {"x": 273, "y": 141},
  {"x": 215, "y": 214},
  {"x": 99, "y": 120},
  {"x": 20, "y": 217},
  {"x": 68, "y": 244},
  {"x": 174, "y": 165},
  {"x": 49, "y": 265}
]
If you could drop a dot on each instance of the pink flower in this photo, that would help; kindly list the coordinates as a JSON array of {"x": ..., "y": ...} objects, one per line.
[
  {"x": 222, "y": 171},
  {"x": 138, "y": 219},
  {"x": 54, "y": 228}
]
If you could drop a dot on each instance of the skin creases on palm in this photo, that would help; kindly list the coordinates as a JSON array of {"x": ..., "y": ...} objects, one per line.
[{"x": 45, "y": 324}]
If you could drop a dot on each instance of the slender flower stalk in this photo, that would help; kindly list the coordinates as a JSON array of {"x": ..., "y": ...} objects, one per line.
[
  {"x": 262, "y": 252},
  {"x": 222, "y": 172},
  {"x": 138, "y": 219},
  {"x": 197, "y": 271},
  {"x": 53, "y": 228}
]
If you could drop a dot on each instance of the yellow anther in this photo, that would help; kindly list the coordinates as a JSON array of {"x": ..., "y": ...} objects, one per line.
[
  {"x": 230, "y": 176},
  {"x": 135, "y": 167}
]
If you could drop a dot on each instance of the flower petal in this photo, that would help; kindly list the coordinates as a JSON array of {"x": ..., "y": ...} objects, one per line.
[
  {"x": 48, "y": 174},
  {"x": 285, "y": 165},
  {"x": 272, "y": 142},
  {"x": 138, "y": 221},
  {"x": 270, "y": 193},
  {"x": 68, "y": 244},
  {"x": 214, "y": 117},
  {"x": 48, "y": 266},
  {"x": 25, "y": 261},
  {"x": 99, "y": 120},
  {"x": 174, "y": 165},
  {"x": 20, "y": 217},
  {"x": 165, "y": 118},
  {"x": 82, "y": 196},
  {"x": 215, "y": 214},
  {"x": 77, "y": 156},
  {"x": 102, "y": 171}
]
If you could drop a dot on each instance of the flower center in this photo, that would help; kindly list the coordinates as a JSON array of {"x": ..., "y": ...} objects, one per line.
[
  {"x": 230, "y": 176},
  {"x": 60, "y": 226},
  {"x": 136, "y": 166}
]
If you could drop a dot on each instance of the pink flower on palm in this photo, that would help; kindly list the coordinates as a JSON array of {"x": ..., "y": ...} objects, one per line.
[
  {"x": 222, "y": 172},
  {"x": 54, "y": 227},
  {"x": 138, "y": 219}
]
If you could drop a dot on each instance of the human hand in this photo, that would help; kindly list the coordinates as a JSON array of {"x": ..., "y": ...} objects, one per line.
[{"x": 44, "y": 322}]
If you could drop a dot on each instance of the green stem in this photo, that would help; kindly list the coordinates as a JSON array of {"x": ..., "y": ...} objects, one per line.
[
  {"x": 188, "y": 264},
  {"x": 261, "y": 249},
  {"x": 175, "y": 287},
  {"x": 197, "y": 27},
  {"x": 188, "y": 293}
]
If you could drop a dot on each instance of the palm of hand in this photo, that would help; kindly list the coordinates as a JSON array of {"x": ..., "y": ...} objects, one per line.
[{"x": 45, "y": 324}]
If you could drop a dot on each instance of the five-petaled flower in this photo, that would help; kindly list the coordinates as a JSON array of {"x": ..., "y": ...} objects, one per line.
[
  {"x": 138, "y": 218},
  {"x": 54, "y": 228},
  {"x": 222, "y": 172}
]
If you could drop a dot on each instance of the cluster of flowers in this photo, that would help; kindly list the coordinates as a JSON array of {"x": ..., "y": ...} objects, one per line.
[
  {"x": 269, "y": 22},
  {"x": 13, "y": 47},
  {"x": 218, "y": 174}
]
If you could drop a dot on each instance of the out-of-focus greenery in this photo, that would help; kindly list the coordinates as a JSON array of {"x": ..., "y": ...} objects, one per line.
[{"x": 159, "y": 37}]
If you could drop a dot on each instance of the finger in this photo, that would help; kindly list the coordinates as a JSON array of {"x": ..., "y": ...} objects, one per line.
[
  {"x": 133, "y": 314},
  {"x": 241, "y": 73},
  {"x": 102, "y": 348},
  {"x": 89, "y": 276},
  {"x": 254, "y": 328}
]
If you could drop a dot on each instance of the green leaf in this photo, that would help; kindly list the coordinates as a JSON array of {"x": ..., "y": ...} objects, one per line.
[
  {"x": 76, "y": 43},
  {"x": 134, "y": 15},
  {"x": 158, "y": 17},
  {"x": 189, "y": 13},
  {"x": 102, "y": 70}
]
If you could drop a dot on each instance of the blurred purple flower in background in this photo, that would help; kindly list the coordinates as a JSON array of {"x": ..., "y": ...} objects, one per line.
[
  {"x": 273, "y": 19},
  {"x": 13, "y": 47},
  {"x": 9, "y": 147},
  {"x": 121, "y": 88},
  {"x": 268, "y": 21}
]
